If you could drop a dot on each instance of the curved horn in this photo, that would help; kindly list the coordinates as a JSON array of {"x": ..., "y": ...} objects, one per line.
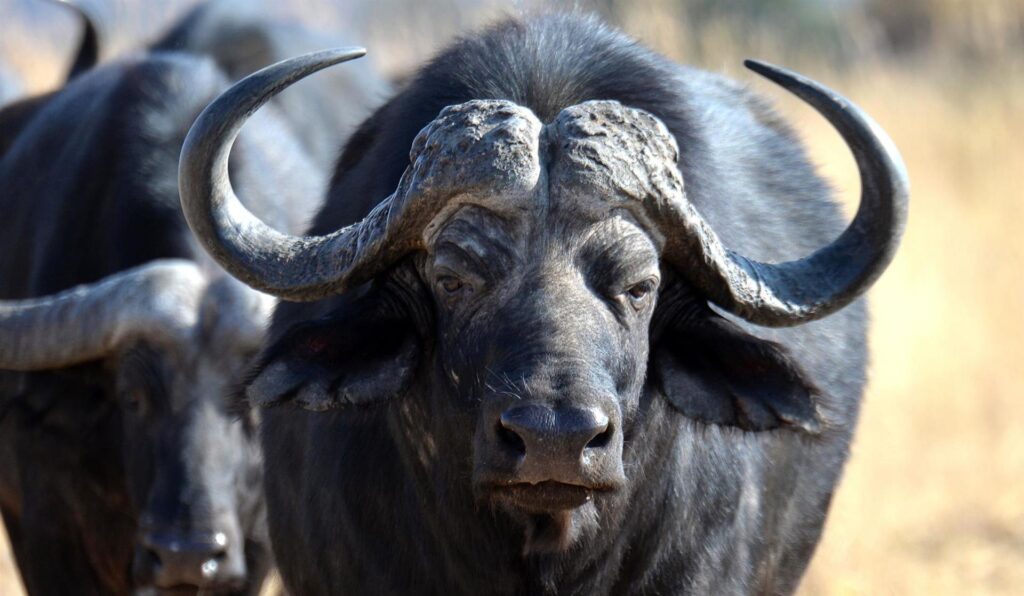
[
  {"x": 159, "y": 299},
  {"x": 296, "y": 268},
  {"x": 810, "y": 288},
  {"x": 88, "y": 53},
  {"x": 314, "y": 267}
]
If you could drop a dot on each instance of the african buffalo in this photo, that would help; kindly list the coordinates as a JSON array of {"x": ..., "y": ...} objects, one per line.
[
  {"x": 241, "y": 38},
  {"x": 596, "y": 332},
  {"x": 123, "y": 463}
]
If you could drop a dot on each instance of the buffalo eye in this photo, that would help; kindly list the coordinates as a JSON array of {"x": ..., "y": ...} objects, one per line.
[
  {"x": 452, "y": 288},
  {"x": 450, "y": 284},
  {"x": 639, "y": 294}
]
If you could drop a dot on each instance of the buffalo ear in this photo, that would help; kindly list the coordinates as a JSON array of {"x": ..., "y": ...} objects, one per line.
[
  {"x": 712, "y": 371},
  {"x": 362, "y": 353}
]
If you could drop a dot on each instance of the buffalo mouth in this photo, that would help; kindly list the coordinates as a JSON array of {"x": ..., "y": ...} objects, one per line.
[
  {"x": 543, "y": 497},
  {"x": 552, "y": 514}
]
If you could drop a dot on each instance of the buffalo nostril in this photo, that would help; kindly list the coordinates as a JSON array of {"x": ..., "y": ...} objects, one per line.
[
  {"x": 510, "y": 438},
  {"x": 217, "y": 556},
  {"x": 152, "y": 561},
  {"x": 212, "y": 565},
  {"x": 544, "y": 430},
  {"x": 171, "y": 559},
  {"x": 602, "y": 438}
]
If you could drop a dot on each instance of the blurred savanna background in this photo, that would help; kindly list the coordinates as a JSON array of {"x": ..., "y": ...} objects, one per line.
[{"x": 932, "y": 501}]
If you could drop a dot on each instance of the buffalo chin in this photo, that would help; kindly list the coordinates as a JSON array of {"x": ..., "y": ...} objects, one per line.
[
  {"x": 553, "y": 516},
  {"x": 553, "y": 533}
]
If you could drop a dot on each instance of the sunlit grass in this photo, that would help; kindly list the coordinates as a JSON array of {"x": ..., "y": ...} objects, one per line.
[{"x": 933, "y": 500}]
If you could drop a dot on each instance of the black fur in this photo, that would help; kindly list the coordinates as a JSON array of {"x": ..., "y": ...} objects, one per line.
[
  {"x": 739, "y": 435},
  {"x": 89, "y": 179},
  {"x": 241, "y": 38}
]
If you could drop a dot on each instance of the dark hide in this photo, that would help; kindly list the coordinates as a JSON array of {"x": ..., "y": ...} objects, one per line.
[
  {"x": 92, "y": 455},
  {"x": 16, "y": 115},
  {"x": 241, "y": 38},
  {"x": 732, "y": 437}
]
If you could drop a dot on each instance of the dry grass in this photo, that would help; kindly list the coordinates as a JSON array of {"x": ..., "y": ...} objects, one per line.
[
  {"x": 9, "y": 582},
  {"x": 933, "y": 500}
]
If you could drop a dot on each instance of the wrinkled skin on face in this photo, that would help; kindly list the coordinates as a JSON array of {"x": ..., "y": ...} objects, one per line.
[
  {"x": 526, "y": 339},
  {"x": 557, "y": 322},
  {"x": 192, "y": 464},
  {"x": 543, "y": 304}
]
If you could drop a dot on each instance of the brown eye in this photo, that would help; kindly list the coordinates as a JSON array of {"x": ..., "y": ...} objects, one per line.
[
  {"x": 450, "y": 284},
  {"x": 638, "y": 293}
]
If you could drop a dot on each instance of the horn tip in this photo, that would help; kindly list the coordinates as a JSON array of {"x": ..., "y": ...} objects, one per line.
[
  {"x": 348, "y": 52},
  {"x": 329, "y": 57},
  {"x": 767, "y": 69}
]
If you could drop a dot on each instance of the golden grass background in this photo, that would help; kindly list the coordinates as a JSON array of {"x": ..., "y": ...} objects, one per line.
[{"x": 932, "y": 501}]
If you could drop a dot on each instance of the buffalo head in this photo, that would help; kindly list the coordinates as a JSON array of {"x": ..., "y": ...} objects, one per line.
[
  {"x": 174, "y": 344},
  {"x": 534, "y": 285}
]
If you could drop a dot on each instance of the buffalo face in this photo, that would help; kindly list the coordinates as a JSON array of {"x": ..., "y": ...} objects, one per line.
[
  {"x": 520, "y": 335},
  {"x": 542, "y": 333},
  {"x": 191, "y": 458},
  {"x": 535, "y": 288},
  {"x": 175, "y": 344}
]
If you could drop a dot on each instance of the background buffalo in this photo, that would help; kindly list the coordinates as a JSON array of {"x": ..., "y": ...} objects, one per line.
[{"x": 932, "y": 500}]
